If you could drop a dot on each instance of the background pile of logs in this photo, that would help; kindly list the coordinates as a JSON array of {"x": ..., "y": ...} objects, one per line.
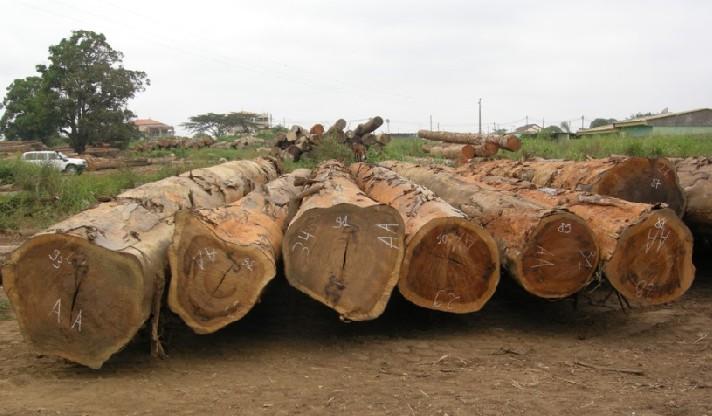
[
  {"x": 346, "y": 236},
  {"x": 20, "y": 146},
  {"x": 463, "y": 147},
  {"x": 175, "y": 143},
  {"x": 298, "y": 141}
]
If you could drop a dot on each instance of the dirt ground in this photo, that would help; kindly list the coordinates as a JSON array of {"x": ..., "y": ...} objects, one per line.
[{"x": 292, "y": 356}]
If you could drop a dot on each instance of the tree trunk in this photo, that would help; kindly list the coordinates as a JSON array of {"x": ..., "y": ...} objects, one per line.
[
  {"x": 83, "y": 288},
  {"x": 222, "y": 259},
  {"x": 646, "y": 251},
  {"x": 450, "y": 264},
  {"x": 508, "y": 142},
  {"x": 342, "y": 248},
  {"x": 368, "y": 127},
  {"x": 462, "y": 152},
  {"x": 634, "y": 179},
  {"x": 551, "y": 253},
  {"x": 696, "y": 180}
]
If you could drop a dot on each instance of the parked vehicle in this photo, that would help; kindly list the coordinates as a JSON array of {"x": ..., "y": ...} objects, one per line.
[{"x": 57, "y": 160}]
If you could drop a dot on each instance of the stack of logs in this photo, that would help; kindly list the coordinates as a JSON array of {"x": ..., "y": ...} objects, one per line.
[
  {"x": 463, "y": 147},
  {"x": 175, "y": 143},
  {"x": 298, "y": 141},
  {"x": 20, "y": 146},
  {"x": 347, "y": 236}
]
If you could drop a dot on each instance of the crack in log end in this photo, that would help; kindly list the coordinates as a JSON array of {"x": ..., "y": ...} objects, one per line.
[{"x": 81, "y": 271}]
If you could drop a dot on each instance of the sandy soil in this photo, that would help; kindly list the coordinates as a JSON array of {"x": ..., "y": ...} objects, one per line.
[{"x": 291, "y": 356}]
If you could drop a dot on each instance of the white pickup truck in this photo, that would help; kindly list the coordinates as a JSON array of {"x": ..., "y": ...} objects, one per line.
[{"x": 57, "y": 160}]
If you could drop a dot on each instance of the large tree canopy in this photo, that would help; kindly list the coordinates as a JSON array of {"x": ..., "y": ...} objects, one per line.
[
  {"x": 30, "y": 111},
  {"x": 600, "y": 122},
  {"x": 84, "y": 91},
  {"x": 220, "y": 124}
]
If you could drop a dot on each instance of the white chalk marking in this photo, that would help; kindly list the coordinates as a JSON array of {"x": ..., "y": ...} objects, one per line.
[
  {"x": 304, "y": 248},
  {"x": 564, "y": 228},
  {"x": 249, "y": 264},
  {"x": 542, "y": 251},
  {"x": 388, "y": 241},
  {"x": 387, "y": 227},
  {"x": 304, "y": 235},
  {"x": 655, "y": 183},
  {"x": 56, "y": 259},
  {"x": 342, "y": 222},
  {"x": 57, "y": 309},
  {"x": 78, "y": 322},
  {"x": 542, "y": 263}
]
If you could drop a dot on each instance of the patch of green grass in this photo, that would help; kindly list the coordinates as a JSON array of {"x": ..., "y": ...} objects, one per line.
[
  {"x": 4, "y": 310},
  {"x": 603, "y": 146},
  {"x": 46, "y": 195}
]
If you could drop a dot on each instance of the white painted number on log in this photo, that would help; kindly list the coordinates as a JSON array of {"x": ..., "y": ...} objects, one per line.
[
  {"x": 655, "y": 183},
  {"x": 451, "y": 297},
  {"x": 442, "y": 239},
  {"x": 657, "y": 234},
  {"x": 57, "y": 309},
  {"x": 342, "y": 222},
  {"x": 304, "y": 235},
  {"x": 543, "y": 263},
  {"x": 389, "y": 241},
  {"x": 587, "y": 259},
  {"x": 564, "y": 228},
  {"x": 304, "y": 248},
  {"x": 387, "y": 227},
  {"x": 249, "y": 264},
  {"x": 210, "y": 254},
  {"x": 78, "y": 322},
  {"x": 56, "y": 259}
]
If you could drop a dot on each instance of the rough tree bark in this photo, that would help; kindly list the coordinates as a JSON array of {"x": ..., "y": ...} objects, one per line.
[
  {"x": 462, "y": 152},
  {"x": 222, "y": 259},
  {"x": 508, "y": 142},
  {"x": 83, "y": 288},
  {"x": 368, "y": 127},
  {"x": 634, "y": 179},
  {"x": 646, "y": 251},
  {"x": 342, "y": 248},
  {"x": 551, "y": 253},
  {"x": 451, "y": 264},
  {"x": 695, "y": 176}
]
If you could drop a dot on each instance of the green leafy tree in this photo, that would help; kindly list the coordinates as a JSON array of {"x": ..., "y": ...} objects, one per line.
[
  {"x": 600, "y": 122},
  {"x": 220, "y": 124},
  {"x": 30, "y": 111},
  {"x": 93, "y": 89},
  {"x": 565, "y": 126}
]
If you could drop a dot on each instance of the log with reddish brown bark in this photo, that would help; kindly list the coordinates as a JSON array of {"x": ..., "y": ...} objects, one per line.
[
  {"x": 342, "y": 248},
  {"x": 634, "y": 179},
  {"x": 451, "y": 264},
  {"x": 222, "y": 258},
  {"x": 550, "y": 252},
  {"x": 646, "y": 251},
  {"x": 508, "y": 142},
  {"x": 84, "y": 287},
  {"x": 695, "y": 176}
]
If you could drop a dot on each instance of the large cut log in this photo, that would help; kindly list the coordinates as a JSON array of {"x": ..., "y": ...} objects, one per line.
[
  {"x": 342, "y": 248},
  {"x": 635, "y": 179},
  {"x": 368, "y": 127},
  {"x": 221, "y": 259},
  {"x": 507, "y": 142},
  {"x": 551, "y": 253},
  {"x": 450, "y": 264},
  {"x": 83, "y": 288},
  {"x": 462, "y": 152},
  {"x": 695, "y": 176},
  {"x": 646, "y": 251}
]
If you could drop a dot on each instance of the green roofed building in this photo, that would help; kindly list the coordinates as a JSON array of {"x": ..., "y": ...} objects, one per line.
[{"x": 682, "y": 123}]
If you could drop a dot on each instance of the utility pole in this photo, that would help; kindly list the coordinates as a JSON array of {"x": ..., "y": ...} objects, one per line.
[
  {"x": 431, "y": 122},
  {"x": 438, "y": 126},
  {"x": 527, "y": 120},
  {"x": 582, "y": 127},
  {"x": 388, "y": 125},
  {"x": 479, "y": 115}
]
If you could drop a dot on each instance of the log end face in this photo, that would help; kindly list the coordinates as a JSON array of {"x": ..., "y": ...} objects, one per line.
[
  {"x": 652, "y": 262},
  {"x": 639, "y": 179},
  {"x": 559, "y": 258},
  {"x": 450, "y": 265},
  {"x": 214, "y": 282},
  {"x": 76, "y": 300},
  {"x": 346, "y": 257}
]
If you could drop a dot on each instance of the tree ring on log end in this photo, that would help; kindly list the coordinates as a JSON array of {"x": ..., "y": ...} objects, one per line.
[
  {"x": 652, "y": 262},
  {"x": 75, "y": 299},
  {"x": 451, "y": 265},
  {"x": 345, "y": 256},
  {"x": 213, "y": 283},
  {"x": 559, "y": 258},
  {"x": 640, "y": 179}
]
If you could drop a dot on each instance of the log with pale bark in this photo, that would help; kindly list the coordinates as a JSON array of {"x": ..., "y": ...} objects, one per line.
[
  {"x": 450, "y": 264},
  {"x": 635, "y": 179},
  {"x": 84, "y": 287},
  {"x": 695, "y": 176},
  {"x": 222, "y": 259},
  {"x": 342, "y": 248},
  {"x": 508, "y": 141},
  {"x": 462, "y": 152},
  {"x": 550, "y": 252},
  {"x": 646, "y": 251}
]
